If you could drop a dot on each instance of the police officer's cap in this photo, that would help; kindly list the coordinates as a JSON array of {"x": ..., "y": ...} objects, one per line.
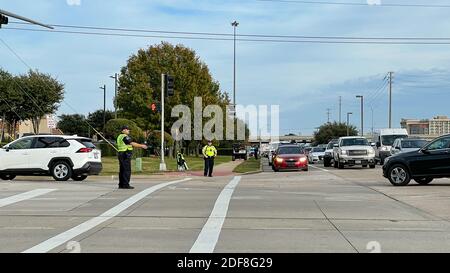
[{"x": 125, "y": 127}]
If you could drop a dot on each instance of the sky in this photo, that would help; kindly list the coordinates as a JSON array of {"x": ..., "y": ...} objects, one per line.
[{"x": 304, "y": 79}]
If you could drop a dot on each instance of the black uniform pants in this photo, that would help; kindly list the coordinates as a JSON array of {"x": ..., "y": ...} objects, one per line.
[
  {"x": 209, "y": 165},
  {"x": 125, "y": 169}
]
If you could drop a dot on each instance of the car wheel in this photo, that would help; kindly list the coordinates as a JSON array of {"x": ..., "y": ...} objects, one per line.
[
  {"x": 306, "y": 169},
  {"x": 61, "y": 171},
  {"x": 364, "y": 166},
  {"x": 276, "y": 170},
  {"x": 7, "y": 176},
  {"x": 399, "y": 175},
  {"x": 326, "y": 163},
  {"x": 423, "y": 181},
  {"x": 81, "y": 177},
  {"x": 372, "y": 166}
]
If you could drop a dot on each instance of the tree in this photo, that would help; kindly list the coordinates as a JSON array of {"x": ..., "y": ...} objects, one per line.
[
  {"x": 329, "y": 131},
  {"x": 114, "y": 126},
  {"x": 95, "y": 119},
  {"x": 140, "y": 84},
  {"x": 41, "y": 95},
  {"x": 11, "y": 103},
  {"x": 73, "y": 125}
]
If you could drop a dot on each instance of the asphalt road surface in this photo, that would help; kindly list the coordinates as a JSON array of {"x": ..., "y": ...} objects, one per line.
[{"x": 323, "y": 210}]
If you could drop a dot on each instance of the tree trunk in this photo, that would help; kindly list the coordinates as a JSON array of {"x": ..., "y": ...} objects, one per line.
[
  {"x": 36, "y": 122},
  {"x": 3, "y": 128}
]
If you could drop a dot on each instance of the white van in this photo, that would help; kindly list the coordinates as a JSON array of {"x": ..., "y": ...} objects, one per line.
[{"x": 384, "y": 138}]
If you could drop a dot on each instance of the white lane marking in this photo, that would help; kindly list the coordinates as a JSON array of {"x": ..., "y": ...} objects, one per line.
[
  {"x": 319, "y": 168},
  {"x": 66, "y": 236},
  {"x": 208, "y": 237},
  {"x": 24, "y": 196}
]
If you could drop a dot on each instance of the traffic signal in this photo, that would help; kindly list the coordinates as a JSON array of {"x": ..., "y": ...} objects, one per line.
[
  {"x": 170, "y": 84},
  {"x": 3, "y": 20}
]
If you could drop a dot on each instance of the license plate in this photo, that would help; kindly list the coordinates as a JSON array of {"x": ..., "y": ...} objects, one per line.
[{"x": 358, "y": 162}]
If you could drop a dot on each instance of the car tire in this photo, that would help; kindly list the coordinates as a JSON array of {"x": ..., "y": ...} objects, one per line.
[
  {"x": 423, "y": 181},
  {"x": 326, "y": 163},
  {"x": 372, "y": 166},
  {"x": 81, "y": 177},
  {"x": 61, "y": 171},
  {"x": 399, "y": 175},
  {"x": 276, "y": 170},
  {"x": 7, "y": 176},
  {"x": 306, "y": 169},
  {"x": 364, "y": 166}
]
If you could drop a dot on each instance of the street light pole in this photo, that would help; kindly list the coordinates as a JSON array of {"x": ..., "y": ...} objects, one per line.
[
  {"x": 362, "y": 113},
  {"x": 235, "y": 24},
  {"x": 348, "y": 123},
  {"x": 104, "y": 106},
  {"x": 162, "y": 164},
  {"x": 116, "y": 79}
]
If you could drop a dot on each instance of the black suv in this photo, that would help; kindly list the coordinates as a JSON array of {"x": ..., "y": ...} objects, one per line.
[{"x": 431, "y": 161}]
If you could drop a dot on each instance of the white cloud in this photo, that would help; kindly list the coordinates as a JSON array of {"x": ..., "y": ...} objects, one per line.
[{"x": 73, "y": 2}]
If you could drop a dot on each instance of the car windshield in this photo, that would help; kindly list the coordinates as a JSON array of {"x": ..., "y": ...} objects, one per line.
[
  {"x": 418, "y": 143},
  {"x": 355, "y": 142},
  {"x": 318, "y": 150},
  {"x": 289, "y": 150},
  {"x": 389, "y": 140}
]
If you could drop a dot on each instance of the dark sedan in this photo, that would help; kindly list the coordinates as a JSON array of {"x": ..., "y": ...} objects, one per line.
[{"x": 430, "y": 162}]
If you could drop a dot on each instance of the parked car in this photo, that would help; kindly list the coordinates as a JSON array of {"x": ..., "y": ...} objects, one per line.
[
  {"x": 384, "y": 138},
  {"x": 316, "y": 155},
  {"x": 62, "y": 157},
  {"x": 404, "y": 145},
  {"x": 430, "y": 162},
  {"x": 353, "y": 151},
  {"x": 328, "y": 156},
  {"x": 272, "y": 149},
  {"x": 289, "y": 157},
  {"x": 239, "y": 152}
]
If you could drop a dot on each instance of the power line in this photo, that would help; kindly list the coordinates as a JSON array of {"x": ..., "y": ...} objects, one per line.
[
  {"x": 357, "y": 4},
  {"x": 230, "y": 39},
  {"x": 238, "y": 35}
]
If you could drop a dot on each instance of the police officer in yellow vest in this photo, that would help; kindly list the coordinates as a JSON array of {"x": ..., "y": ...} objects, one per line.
[
  {"x": 209, "y": 153},
  {"x": 125, "y": 146}
]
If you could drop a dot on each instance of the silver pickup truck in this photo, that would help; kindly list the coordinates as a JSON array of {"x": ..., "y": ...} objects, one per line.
[{"x": 353, "y": 151}]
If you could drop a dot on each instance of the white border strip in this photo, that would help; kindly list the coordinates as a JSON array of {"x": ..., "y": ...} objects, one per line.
[
  {"x": 62, "y": 238},
  {"x": 24, "y": 196},
  {"x": 208, "y": 237}
]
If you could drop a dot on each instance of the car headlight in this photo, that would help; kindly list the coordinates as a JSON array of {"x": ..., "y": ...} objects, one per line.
[
  {"x": 343, "y": 152},
  {"x": 372, "y": 152},
  {"x": 384, "y": 148},
  {"x": 279, "y": 160},
  {"x": 302, "y": 159}
]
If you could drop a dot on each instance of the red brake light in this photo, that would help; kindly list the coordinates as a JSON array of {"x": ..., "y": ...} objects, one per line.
[{"x": 84, "y": 150}]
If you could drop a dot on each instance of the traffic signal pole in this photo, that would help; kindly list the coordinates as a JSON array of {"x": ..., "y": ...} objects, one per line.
[{"x": 162, "y": 165}]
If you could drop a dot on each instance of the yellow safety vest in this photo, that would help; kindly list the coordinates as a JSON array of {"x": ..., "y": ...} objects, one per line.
[
  {"x": 121, "y": 146},
  {"x": 209, "y": 151}
]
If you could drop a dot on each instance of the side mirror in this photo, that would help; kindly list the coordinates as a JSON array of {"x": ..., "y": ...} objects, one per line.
[
  {"x": 425, "y": 151},
  {"x": 335, "y": 145}
]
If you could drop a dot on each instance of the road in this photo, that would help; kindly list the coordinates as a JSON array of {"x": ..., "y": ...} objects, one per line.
[{"x": 323, "y": 210}]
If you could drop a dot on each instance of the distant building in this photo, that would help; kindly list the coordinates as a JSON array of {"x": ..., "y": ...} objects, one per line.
[
  {"x": 437, "y": 126},
  {"x": 416, "y": 126}
]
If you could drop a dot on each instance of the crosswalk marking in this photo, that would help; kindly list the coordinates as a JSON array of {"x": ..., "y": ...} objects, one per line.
[
  {"x": 66, "y": 236},
  {"x": 23, "y": 196},
  {"x": 208, "y": 237}
]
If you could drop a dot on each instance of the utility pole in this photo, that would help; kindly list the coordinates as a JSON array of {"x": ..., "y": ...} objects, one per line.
[
  {"x": 116, "y": 79},
  {"x": 362, "y": 113},
  {"x": 348, "y": 123},
  {"x": 104, "y": 107},
  {"x": 340, "y": 109},
  {"x": 235, "y": 24},
  {"x": 371, "y": 109},
  {"x": 162, "y": 165},
  {"x": 328, "y": 115},
  {"x": 390, "y": 99}
]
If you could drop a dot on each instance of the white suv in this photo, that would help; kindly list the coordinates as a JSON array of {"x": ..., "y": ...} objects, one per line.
[{"x": 62, "y": 157}]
